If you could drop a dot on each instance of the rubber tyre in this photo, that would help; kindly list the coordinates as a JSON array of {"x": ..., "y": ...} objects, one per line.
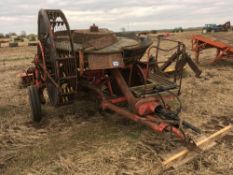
[{"x": 35, "y": 103}]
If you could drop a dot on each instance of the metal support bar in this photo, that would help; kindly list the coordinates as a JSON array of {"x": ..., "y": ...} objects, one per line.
[
  {"x": 124, "y": 89},
  {"x": 157, "y": 127}
]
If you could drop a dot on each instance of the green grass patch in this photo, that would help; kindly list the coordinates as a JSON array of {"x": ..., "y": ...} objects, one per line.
[{"x": 3, "y": 110}]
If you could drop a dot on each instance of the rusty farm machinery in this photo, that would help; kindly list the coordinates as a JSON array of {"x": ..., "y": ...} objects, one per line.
[
  {"x": 222, "y": 44},
  {"x": 110, "y": 66}
]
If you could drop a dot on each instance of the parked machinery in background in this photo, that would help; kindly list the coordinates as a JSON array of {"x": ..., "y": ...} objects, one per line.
[
  {"x": 178, "y": 29},
  {"x": 217, "y": 28},
  {"x": 222, "y": 44}
]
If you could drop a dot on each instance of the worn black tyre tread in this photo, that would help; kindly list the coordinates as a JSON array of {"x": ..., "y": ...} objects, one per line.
[{"x": 35, "y": 104}]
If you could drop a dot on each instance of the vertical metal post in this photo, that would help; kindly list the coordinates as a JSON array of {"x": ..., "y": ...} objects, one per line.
[{"x": 124, "y": 89}]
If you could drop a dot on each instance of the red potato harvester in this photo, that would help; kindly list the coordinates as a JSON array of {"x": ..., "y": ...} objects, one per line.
[{"x": 68, "y": 62}]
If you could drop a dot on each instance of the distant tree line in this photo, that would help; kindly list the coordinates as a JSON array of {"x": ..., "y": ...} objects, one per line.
[{"x": 20, "y": 37}]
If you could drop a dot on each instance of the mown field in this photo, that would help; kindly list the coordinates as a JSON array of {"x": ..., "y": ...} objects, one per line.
[{"x": 77, "y": 140}]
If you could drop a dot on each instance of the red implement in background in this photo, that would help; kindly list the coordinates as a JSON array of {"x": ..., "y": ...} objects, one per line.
[{"x": 223, "y": 45}]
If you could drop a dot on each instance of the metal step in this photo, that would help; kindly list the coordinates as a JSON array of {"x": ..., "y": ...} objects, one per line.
[{"x": 155, "y": 84}]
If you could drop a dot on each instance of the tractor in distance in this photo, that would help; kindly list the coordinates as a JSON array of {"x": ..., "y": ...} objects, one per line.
[{"x": 217, "y": 28}]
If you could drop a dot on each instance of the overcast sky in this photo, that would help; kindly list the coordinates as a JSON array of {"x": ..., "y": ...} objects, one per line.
[{"x": 18, "y": 15}]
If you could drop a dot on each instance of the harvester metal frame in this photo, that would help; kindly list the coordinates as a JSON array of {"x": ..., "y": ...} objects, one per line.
[{"x": 131, "y": 83}]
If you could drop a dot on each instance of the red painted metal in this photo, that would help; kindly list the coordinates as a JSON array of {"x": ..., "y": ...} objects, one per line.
[
  {"x": 147, "y": 105},
  {"x": 27, "y": 78},
  {"x": 158, "y": 126},
  {"x": 37, "y": 73},
  {"x": 146, "y": 108},
  {"x": 124, "y": 88},
  {"x": 118, "y": 100},
  {"x": 200, "y": 42},
  {"x": 43, "y": 59}
]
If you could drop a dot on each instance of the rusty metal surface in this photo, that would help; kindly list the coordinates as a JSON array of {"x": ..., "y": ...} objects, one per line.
[
  {"x": 118, "y": 46},
  {"x": 152, "y": 122},
  {"x": 153, "y": 82},
  {"x": 105, "y": 61},
  {"x": 55, "y": 69},
  {"x": 124, "y": 88},
  {"x": 97, "y": 39},
  {"x": 107, "y": 65},
  {"x": 178, "y": 57},
  {"x": 125, "y": 48}
]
